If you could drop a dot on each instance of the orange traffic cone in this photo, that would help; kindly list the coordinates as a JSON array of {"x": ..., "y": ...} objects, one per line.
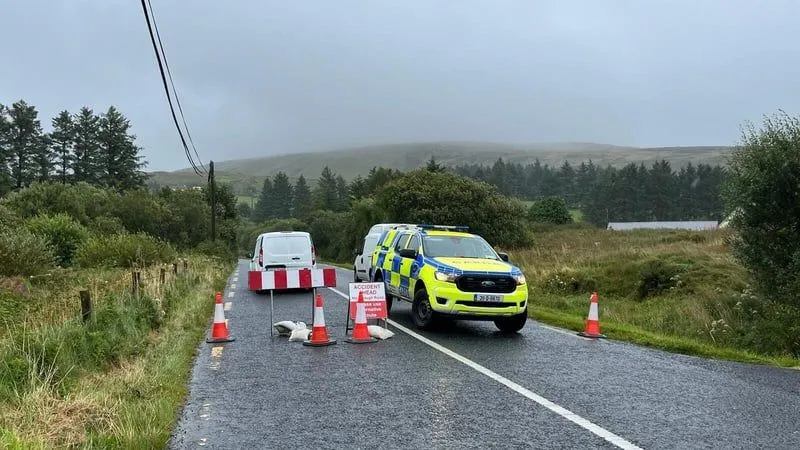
[
  {"x": 360, "y": 330},
  {"x": 319, "y": 332},
  {"x": 593, "y": 321},
  {"x": 219, "y": 331}
]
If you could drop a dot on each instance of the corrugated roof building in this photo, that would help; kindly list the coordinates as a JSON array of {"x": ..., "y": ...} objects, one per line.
[{"x": 696, "y": 225}]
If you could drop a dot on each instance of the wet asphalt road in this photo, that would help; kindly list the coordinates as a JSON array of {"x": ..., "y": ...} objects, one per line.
[{"x": 266, "y": 392}]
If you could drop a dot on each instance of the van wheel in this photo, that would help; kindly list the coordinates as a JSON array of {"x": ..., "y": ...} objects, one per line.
[
  {"x": 355, "y": 275},
  {"x": 422, "y": 313}
]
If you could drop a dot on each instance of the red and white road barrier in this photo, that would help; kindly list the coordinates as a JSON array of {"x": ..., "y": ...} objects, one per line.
[{"x": 291, "y": 279}]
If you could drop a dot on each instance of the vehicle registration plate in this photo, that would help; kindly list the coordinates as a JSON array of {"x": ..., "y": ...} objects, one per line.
[{"x": 488, "y": 298}]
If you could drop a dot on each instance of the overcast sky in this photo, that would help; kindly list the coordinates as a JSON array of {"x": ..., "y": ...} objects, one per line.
[{"x": 259, "y": 77}]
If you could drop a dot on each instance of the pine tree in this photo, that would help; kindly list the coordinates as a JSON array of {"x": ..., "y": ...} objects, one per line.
[
  {"x": 302, "y": 198},
  {"x": 358, "y": 188},
  {"x": 342, "y": 194},
  {"x": 433, "y": 166},
  {"x": 325, "y": 194},
  {"x": 62, "y": 139},
  {"x": 25, "y": 139},
  {"x": 265, "y": 206},
  {"x": 282, "y": 196},
  {"x": 5, "y": 151},
  {"x": 86, "y": 159},
  {"x": 119, "y": 162}
]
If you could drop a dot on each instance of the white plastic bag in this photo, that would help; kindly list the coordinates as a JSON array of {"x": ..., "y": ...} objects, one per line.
[
  {"x": 300, "y": 334},
  {"x": 379, "y": 332}
]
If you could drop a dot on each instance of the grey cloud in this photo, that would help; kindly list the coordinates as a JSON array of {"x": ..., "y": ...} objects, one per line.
[{"x": 264, "y": 77}]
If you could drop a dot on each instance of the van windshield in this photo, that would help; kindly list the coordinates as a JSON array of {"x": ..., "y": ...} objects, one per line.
[{"x": 287, "y": 245}]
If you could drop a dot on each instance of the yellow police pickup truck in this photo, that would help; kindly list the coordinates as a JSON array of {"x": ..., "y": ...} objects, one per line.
[{"x": 445, "y": 271}]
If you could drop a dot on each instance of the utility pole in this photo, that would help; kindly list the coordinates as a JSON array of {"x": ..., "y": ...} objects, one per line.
[{"x": 213, "y": 189}]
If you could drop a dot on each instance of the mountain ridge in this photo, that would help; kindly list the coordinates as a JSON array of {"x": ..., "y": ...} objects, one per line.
[{"x": 353, "y": 161}]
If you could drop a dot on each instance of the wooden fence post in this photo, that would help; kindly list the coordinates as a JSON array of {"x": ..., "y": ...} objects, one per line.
[
  {"x": 163, "y": 276},
  {"x": 86, "y": 305},
  {"x": 135, "y": 279},
  {"x": 185, "y": 265}
]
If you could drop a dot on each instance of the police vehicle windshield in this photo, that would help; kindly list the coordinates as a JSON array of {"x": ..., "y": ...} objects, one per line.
[{"x": 458, "y": 247}]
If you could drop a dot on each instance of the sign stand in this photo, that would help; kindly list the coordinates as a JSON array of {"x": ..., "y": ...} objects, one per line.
[
  {"x": 374, "y": 297},
  {"x": 259, "y": 280},
  {"x": 271, "y": 309}
]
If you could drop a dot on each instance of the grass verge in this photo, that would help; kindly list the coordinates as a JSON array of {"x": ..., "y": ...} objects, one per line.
[
  {"x": 678, "y": 291},
  {"x": 115, "y": 381}
]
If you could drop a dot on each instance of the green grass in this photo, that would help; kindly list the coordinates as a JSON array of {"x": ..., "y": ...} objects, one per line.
[
  {"x": 351, "y": 162},
  {"x": 117, "y": 381},
  {"x": 676, "y": 290}
]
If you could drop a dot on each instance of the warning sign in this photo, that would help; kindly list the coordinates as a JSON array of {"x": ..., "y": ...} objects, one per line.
[{"x": 374, "y": 300}]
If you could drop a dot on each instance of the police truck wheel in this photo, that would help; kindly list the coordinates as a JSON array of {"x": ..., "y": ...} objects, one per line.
[
  {"x": 422, "y": 313},
  {"x": 512, "y": 324},
  {"x": 355, "y": 276}
]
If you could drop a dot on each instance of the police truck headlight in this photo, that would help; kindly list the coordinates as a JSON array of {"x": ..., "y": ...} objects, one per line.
[
  {"x": 520, "y": 279},
  {"x": 448, "y": 277}
]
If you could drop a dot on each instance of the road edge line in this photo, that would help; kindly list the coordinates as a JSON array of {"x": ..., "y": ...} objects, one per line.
[{"x": 560, "y": 410}]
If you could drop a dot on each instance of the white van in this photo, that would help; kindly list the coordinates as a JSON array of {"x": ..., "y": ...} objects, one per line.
[
  {"x": 283, "y": 250},
  {"x": 362, "y": 265}
]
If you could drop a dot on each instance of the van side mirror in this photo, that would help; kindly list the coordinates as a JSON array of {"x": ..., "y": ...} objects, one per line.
[
  {"x": 408, "y": 253},
  {"x": 503, "y": 256},
  {"x": 249, "y": 256},
  {"x": 356, "y": 252}
]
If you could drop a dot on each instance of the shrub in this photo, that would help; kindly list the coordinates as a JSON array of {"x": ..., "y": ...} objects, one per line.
[
  {"x": 62, "y": 233},
  {"x": 552, "y": 210},
  {"x": 124, "y": 250},
  {"x": 217, "y": 249},
  {"x": 8, "y": 220},
  {"x": 105, "y": 225},
  {"x": 24, "y": 253},
  {"x": 80, "y": 201},
  {"x": 655, "y": 276},
  {"x": 761, "y": 191},
  {"x": 422, "y": 196}
]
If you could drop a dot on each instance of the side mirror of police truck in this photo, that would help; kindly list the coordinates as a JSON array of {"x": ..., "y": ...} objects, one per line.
[
  {"x": 249, "y": 256},
  {"x": 503, "y": 256},
  {"x": 408, "y": 253},
  {"x": 356, "y": 252}
]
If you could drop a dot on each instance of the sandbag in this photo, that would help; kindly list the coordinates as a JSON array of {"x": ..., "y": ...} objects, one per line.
[
  {"x": 300, "y": 334},
  {"x": 285, "y": 327}
]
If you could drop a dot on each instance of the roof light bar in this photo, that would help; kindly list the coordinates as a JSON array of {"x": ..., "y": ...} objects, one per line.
[{"x": 443, "y": 227}]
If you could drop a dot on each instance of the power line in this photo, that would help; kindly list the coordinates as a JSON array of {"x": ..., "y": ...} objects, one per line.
[
  {"x": 169, "y": 74},
  {"x": 166, "y": 88}
]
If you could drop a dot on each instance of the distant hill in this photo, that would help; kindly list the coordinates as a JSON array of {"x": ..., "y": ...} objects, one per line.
[{"x": 351, "y": 162}]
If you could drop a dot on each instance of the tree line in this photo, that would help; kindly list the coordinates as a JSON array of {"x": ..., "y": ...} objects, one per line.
[
  {"x": 634, "y": 192},
  {"x": 98, "y": 149}
]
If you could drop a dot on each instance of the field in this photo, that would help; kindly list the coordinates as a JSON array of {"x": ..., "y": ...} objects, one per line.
[
  {"x": 115, "y": 381},
  {"x": 354, "y": 161},
  {"x": 677, "y": 290}
]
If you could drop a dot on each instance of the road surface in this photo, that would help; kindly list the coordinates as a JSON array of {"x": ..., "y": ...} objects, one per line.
[{"x": 467, "y": 386}]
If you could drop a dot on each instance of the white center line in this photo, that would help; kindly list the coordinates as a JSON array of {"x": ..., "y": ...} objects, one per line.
[
  {"x": 561, "y": 411},
  {"x": 230, "y": 294}
]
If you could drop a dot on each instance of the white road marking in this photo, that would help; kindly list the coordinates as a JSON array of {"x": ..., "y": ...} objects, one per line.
[
  {"x": 561, "y": 411},
  {"x": 233, "y": 286},
  {"x": 230, "y": 294},
  {"x": 228, "y": 306}
]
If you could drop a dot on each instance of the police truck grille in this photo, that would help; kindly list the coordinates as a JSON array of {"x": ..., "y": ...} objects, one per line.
[{"x": 500, "y": 284}]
